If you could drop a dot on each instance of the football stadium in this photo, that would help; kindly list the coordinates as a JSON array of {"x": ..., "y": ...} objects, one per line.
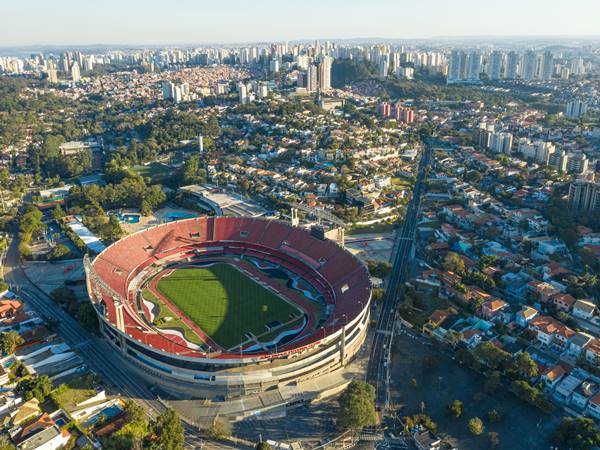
[{"x": 233, "y": 305}]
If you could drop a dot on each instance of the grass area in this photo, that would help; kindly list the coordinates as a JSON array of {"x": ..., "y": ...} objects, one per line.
[
  {"x": 166, "y": 319},
  {"x": 224, "y": 302},
  {"x": 151, "y": 170},
  {"x": 75, "y": 391}
]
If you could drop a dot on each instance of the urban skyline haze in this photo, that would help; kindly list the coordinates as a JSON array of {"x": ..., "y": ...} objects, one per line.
[{"x": 130, "y": 22}]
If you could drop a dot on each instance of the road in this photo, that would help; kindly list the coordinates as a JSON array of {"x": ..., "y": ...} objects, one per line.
[
  {"x": 98, "y": 354},
  {"x": 402, "y": 253}
]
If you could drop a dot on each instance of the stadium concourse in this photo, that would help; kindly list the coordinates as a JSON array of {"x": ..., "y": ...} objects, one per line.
[{"x": 224, "y": 306}]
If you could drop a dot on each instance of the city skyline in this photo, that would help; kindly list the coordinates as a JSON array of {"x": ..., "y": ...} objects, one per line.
[{"x": 67, "y": 22}]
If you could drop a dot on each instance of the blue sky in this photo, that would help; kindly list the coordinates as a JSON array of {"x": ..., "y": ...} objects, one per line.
[{"x": 60, "y": 22}]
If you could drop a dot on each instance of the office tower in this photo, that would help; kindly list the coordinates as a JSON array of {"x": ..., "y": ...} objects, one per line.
[
  {"x": 576, "y": 109},
  {"x": 75, "y": 72},
  {"x": 547, "y": 66},
  {"x": 312, "y": 79},
  {"x": 584, "y": 196},
  {"x": 324, "y": 73},
  {"x": 530, "y": 63},
  {"x": 302, "y": 61},
  {"x": 63, "y": 63},
  {"x": 474, "y": 66},
  {"x": 496, "y": 65},
  {"x": 457, "y": 67},
  {"x": 512, "y": 65}
]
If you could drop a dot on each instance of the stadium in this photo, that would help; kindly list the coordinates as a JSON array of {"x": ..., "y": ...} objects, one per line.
[{"x": 230, "y": 305}]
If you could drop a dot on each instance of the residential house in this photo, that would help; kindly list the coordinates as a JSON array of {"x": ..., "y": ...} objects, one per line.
[
  {"x": 563, "y": 302},
  {"x": 526, "y": 315},
  {"x": 584, "y": 309},
  {"x": 578, "y": 343},
  {"x": 426, "y": 440},
  {"x": 491, "y": 310},
  {"x": 552, "y": 375},
  {"x": 583, "y": 393}
]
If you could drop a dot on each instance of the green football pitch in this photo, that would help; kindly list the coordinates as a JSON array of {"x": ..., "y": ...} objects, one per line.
[{"x": 224, "y": 302}]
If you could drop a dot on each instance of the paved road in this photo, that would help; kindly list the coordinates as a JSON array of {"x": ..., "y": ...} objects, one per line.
[
  {"x": 98, "y": 354},
  {"x": 402, "y": 253}
]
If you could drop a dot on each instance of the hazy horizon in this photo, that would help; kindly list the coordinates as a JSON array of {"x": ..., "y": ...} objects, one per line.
[{"x": 155, "y": 22}]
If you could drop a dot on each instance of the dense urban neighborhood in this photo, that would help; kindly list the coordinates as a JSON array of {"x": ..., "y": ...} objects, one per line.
[{"x": 465, "y": 179}]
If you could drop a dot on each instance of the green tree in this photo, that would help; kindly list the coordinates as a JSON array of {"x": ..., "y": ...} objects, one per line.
[
  {"x": 493, "y": 416},
  {"x": 9, "y": 341},
  {"x": 454, "y": 263},
  {"x": 168, "y": 432},
  {"x": 5, "y": 443},
  {"x": 221, "y": 429},
  {"x": 525, "y": 366},
  {"x": 35, "y": 386},
  {"x": 59, "y": 252},
  {"x": 357, "y": 406},
  {"x": 87, "y": 317},
  {"x": 456, "y": 408},
  {"x": 476, "y": 426},
  {"x": 492, "y": 382},
  {"x": 578, "y": 433},
  {"x": 262, "y": 445}
]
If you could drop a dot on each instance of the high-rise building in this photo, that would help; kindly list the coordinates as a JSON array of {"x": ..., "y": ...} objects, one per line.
[
  {"x": 243, "y": 93},
  {"x": 52, "y": 75},
  {"x": 325, "y": 73},
  {"x": 406, "y": 73},
  {"x": 547, "y": 66},
  {"x": 502, "y": 143},
  {"x": 559, "y": 160},
  {"x": 385, "y": 109},
  {"x": 403, "y": 114},
  {"x": 496, "y": 65},
  {"x": 530, "y": 65},
  {"x": 75, "y": 72},
  {"x": 457, "y": 66},
  {"x": 384, "y": 67},
  {"x": 584, "y": 196},
  {"x": 578, "y": 163},
  {"x": 512, "y": 65},
  {"x": 312, "y": 78},
  {"x": 474, "y": 66},
  {"x": 576, "y": 109}
]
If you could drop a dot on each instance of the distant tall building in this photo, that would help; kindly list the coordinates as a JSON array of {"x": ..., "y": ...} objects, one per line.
[
  {"x": 52, "y": 75},
  {"x": 312, "y": 78},
  {"x": 385, "y": 109},
  {"x": 75, "y": 72},
  {"x": 384, "y": 67},
  {"x": 578, "y": 163},
  {"x": 584, "y": 196},
  {"x": 325, "y": 73},
  {"x": 512, "y": 65},
  {"x": 474, "y": 66},
  {"x": 496, "y": 65},
  {"x": 457, "y": 66},
  {"x": 530, "y": 65},
  {"x": 576, "y": 109},
  {"x": 502, "y": 143},
  {"x": 406, "y": 73},
  {"x": 243, "y": 93},
  {"x": 547, "y": 66}
]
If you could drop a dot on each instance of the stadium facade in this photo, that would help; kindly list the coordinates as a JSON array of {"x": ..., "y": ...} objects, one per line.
[{"x": 324, "y": 343}]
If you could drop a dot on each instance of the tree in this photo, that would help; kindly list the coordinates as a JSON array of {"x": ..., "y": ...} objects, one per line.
[
  {"x": 578, "y": 433},
  {"x": 357, "y": 406},
  {"x": 168, "y": 432},
  {"x": 262, "y": 445},
  {"x": 35, "y": 386},
  {"x": 221, "y": 429},
  {"x": 494, "y": 439},
  {"x": 476, "y": 426},
  {"x": 5, "y": 443},
  {"x": 493, "y": 416},
  {"x": 525, "y": 366},
  {"x": 59, "y": 252},
  {"x": 456, "y": 408},
  {"x": 454, "y": 263},
  {"x": 490, "y": 355},
  {"x": 86, "y": 315},
  {"x": 9, "y": 341}
]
